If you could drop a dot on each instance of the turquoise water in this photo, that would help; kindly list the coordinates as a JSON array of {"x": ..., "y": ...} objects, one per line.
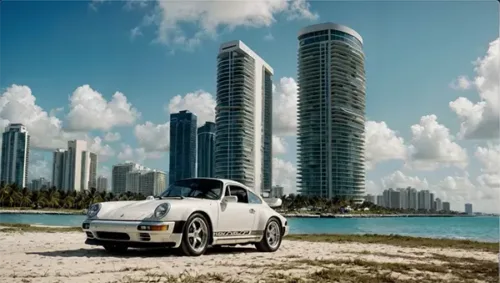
[{"x": 474, "y": 228}]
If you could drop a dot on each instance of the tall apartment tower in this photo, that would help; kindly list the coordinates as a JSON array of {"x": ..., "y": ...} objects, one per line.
[
  {"x": 58, "y": 169},
  {"x": 102, "y": 184},
  {"x": 243, "y": 117},
  {"x": 119, "y": 176},
  {"x": 92, "y": 170},
  {"x": 182, "y": 146},
  {"x": 15, "y": 155},
  {"x": 331, "y": 112},
  {"x": 206, "y": 150}
]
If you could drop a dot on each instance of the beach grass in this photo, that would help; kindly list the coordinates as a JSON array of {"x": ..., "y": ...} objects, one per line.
[{"x": 397, "y": 240}]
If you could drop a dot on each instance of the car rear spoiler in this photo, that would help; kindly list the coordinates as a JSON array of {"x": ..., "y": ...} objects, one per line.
[{"x": 273, "y": 202}]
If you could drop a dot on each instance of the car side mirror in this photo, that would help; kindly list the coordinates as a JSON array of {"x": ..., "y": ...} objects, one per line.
[{"x": 230, "y": 199}]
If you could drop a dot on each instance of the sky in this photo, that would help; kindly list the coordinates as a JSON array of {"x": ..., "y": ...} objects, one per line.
[{"x": 111, "y": 72}]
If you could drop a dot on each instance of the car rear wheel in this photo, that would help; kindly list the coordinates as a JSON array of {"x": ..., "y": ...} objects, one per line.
[
  {"x": 115, "y": 249},
  {"x": 195, "y": 235},
  {"x": 271, "y": 240}
]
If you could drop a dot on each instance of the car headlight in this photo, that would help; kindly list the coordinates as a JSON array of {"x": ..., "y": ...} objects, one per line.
[
  {"x": 94, "y": 209},
  {"x": 161, "y": 210}
]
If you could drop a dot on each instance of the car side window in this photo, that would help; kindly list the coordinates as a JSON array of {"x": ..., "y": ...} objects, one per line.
[
  {"x": 227, "y": 193},
  {"x": 253, "y": 198},
  {"x": 240, "y": 193}
]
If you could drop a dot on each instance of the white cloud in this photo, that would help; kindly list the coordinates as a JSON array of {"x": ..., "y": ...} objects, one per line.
[
  {"x": 138, "y": 155},
  {"x": 279, "y": 145},
  {"x": 112, "y": 137},
  {"x": 382, "y": 144},
  {"x": 135, "y": 32},
  {"x": 104, "y": 151},
  {"x": 285, "y": 174},
  {"x": 206, "y": 19},
  {"x": 481, "y": 120},
  {"x": 89, "y": 110},
  {"x": 38, "y": 167},
  {"x": 18, "y": 105},
  {"x": 269, "y": 37},
  {"x": 199, "y": 102},
  {"x": 285, "y": 107},
  {"x": 461, "y": 83},
  {"x": 432, "y": 146},
  {"x": 489, "y": 157},
  {"x": 399, "y": 180},
  {"x": 152, "y": 137}
]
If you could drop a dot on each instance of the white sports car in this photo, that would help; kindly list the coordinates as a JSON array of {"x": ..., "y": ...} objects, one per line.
[{"x": 192, "y": 214}]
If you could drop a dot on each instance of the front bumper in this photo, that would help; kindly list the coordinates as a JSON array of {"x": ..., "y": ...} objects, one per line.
[{"x": 100, "y": 232}]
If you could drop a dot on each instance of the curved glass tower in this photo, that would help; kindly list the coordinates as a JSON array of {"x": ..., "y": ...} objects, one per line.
[
  {"x": 331, "y": 112},
  {"x": 243, "y": 140}
]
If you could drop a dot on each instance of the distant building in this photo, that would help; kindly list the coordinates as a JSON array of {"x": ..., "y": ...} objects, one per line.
[
  {"x": 74, "y": 169},
  {"x": 182, "y": 146},
  {"x": 206, "y": 150},
  {"x": 446, "y": 206},
  {"x": 277, "y": 192},
  {"x": 439, "y": 204},
  {"x": 468, "y": 208},
  {"x": 119, "y": 176},
  {"x": 403, "y": 198},
  {"x": 395, "y": 197},
  {"x": 380, "y": 200},
  {"x": 370, "y": 198},
  {"x": 153, "y": 182},
  {"x": 15, "y": 155},
  {"x": 412, "y": 198},
  {"x": 431, "y": 200},
  {"x": 38, "y": 184},
  {"x": 102, "y": 184}
]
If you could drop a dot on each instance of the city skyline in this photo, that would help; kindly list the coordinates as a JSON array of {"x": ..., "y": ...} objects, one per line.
[{"x": 419, "y": 131}]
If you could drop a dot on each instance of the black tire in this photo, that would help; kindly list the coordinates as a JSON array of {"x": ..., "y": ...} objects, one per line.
[
  {"x": 115, "y": 249},
  {"x": 271, "y": 238},
  {"x": 188, "y": 244}
]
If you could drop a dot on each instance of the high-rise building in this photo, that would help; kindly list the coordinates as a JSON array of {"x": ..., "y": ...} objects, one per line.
[
  {"x": 380, "y": 200},
  {"x": 331, "y": 112},
  {"x": 58, "y": 169},
  {"x": 431, "y": 202},
  {"x": 182, "y": 146},
  {"x": 74, "y": 169},
  {"x": 243, "y": 117},
  {"x": 153, "y": 182},
  {"x": 446, "y": 206},
  {"x": 412, "y": 198},
  {"x": 370, "y": 198},
  {"x": 468, "y": 208},
  {"x": 102, "y": 184},
  {"x": 119, "y": 176},
  {"x": 439, "y": 204},
  {"x": 403, "y": 198},
  {"x": 206, "y": 150},
  {"x": 92, "y": 170},
  {"x": 133, "y": 180},
  {"x": 277, "y": 192},
  {"x": 395, "y": 196},
  {"x": 15, "y": 155},
  {"x": 38, "y": 184}
]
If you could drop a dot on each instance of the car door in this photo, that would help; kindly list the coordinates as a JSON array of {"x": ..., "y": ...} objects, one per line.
[
  {"x": 236, "y": 217},
  {"x": 255, "y": 204}
]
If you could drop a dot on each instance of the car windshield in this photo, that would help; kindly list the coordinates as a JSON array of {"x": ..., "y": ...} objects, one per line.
[{"x": 195, "y": 188}]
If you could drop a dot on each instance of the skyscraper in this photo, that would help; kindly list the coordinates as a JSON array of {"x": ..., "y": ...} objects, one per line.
[
  {"x": 119, "y": 176},
  {"x": 58, "y": 169},
  {"x": 92, "y": 170},
  {"x": 243, "y": 117},
  {"x": 206, "y": 150},
  {"x": 331, "y": 112},
  {"x": 468, "y": 208},
  {"x": 15, "y": 155},
  {"x": 182, "y": 146},
  {"x": 102, "y": 184}
]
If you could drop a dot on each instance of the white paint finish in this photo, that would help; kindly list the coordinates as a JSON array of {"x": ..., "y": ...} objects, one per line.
[{"x": 233, "y": 216}]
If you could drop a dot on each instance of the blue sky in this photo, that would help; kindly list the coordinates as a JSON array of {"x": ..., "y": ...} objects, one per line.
[{"x": 414, "y": 50}]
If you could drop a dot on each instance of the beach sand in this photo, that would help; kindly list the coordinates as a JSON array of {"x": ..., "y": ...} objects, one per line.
[{"x": 63, "y": 257}]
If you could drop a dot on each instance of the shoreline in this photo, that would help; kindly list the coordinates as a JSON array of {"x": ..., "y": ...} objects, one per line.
[
  {"x": 329, "y": 215},
  {"x": 37, "y": 211}
]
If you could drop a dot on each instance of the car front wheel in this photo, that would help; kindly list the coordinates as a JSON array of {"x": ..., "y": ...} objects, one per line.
[
  {"x": 271, "y": 240},
  {"x": 195, "y": 235}
]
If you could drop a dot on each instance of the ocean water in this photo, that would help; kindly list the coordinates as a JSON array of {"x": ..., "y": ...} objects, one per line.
[{"x": 482, "y": 228}]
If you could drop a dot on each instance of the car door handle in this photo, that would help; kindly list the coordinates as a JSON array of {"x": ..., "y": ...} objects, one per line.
[{"x": 252, "y": 210}]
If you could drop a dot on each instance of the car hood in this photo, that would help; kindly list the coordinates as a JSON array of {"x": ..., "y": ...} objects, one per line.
[{"x": 141, "y": 210}]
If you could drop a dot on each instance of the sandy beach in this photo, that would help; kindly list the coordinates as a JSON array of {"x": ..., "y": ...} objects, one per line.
[{"x": 62, "y": 257}]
